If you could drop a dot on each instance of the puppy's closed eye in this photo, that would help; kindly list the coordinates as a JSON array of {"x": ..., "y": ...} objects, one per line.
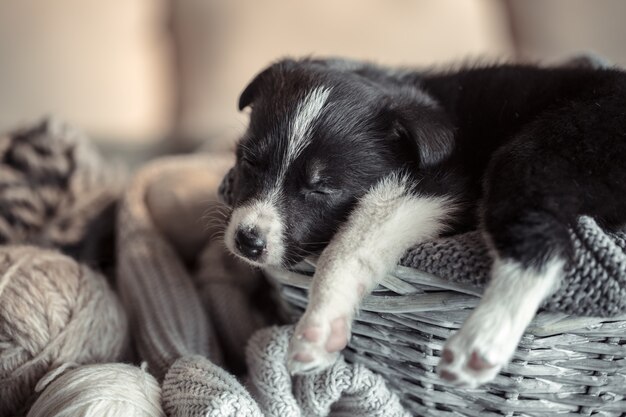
[
  {"x": 248, "y": 163},
  {"x": 317, "y": 185},
  {"x": 319, "y": 191}
]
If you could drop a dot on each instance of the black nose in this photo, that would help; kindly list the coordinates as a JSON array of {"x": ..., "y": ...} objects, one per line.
[{"x": 249, "y": 243}]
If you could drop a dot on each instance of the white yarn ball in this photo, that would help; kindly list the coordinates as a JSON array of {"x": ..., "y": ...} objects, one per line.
[{"x": 103, "y": 390}]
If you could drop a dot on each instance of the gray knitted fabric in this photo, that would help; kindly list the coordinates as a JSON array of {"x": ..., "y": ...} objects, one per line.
[
  {"x": 195, "y": 387},
  {"x": 595, "y": 283},
  {"x": 166, "y": 315},
  {"x": 342, "y": 390}
]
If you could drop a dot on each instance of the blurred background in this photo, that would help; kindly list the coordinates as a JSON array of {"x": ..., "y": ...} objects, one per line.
[{"x": 133, "y": 74}]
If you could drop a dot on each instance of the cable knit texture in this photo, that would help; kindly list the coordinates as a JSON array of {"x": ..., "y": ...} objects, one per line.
[
  {"x": 194, "y": 386},
  {"x": 341, "y": 390},
  {"x": 594, "y": 284}
]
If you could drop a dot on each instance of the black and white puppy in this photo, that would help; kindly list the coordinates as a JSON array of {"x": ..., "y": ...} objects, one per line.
[{"x": 361, "y": 162}]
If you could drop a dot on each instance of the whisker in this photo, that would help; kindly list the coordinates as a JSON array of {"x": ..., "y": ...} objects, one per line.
[
  {"x": 315, "y": 243},
  {"x": 218, "y": 235}
]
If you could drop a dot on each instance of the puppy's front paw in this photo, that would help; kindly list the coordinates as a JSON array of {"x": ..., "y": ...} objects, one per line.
[
  {"x": 315, "y": 344},
  {"x": 478, "y": 351}
]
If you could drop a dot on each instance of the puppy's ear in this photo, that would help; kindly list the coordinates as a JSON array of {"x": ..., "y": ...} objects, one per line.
[
  {"x": 268, "y": 79},
  {"x": 428, "y": 128},
  {"x": 251, "y": 92}
]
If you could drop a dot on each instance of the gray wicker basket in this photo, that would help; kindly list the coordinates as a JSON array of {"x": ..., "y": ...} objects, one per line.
[{"x": 564, "y": 365}]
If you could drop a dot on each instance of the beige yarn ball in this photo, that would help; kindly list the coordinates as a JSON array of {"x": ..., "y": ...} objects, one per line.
[
  {"x": 107, "y": 390},
  {"x": 53, "y": 311}
]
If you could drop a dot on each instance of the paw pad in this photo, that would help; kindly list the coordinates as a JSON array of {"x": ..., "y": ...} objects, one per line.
[
  {"x": 477, "y": 363},
  {"x": 316, "y": 344},
  {"x": 448, "y": 376},
  {"x": 447, "y": 356},
  {"x": 311, "y": 334}
]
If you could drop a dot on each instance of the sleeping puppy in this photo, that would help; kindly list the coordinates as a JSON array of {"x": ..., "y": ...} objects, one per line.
[{"x": 361, "y": 162}]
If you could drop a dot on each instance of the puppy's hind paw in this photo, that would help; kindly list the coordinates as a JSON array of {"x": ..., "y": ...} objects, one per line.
[
  {"x": 315, "y": 346},
  {"x": 477, "y": 353},
  {"x": 457, "y": 368}
]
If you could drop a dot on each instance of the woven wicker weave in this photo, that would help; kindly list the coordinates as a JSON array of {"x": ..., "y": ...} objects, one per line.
[{"x": 564, "y": 365}]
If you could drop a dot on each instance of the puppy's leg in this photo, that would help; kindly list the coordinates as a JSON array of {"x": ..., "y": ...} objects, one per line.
[
  {"x": 385, "y": 223},
  {"x": 530, "y": 245},
  {"x": 535, "y": 189},
  {"x": 489, "y": 337}
]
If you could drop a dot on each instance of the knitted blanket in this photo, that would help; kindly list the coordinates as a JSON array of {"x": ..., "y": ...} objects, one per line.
[
  {"x": 195, "y": 387},
  {"x": 594, "y": 285}
]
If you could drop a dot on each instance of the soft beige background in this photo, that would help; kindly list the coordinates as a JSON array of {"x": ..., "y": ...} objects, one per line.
[
  {"x": 244, "y": 36},
  {"x": 102, "y": 65},
  {"x": 145, "y": 70},
  {"x": 545, "y": 29}
]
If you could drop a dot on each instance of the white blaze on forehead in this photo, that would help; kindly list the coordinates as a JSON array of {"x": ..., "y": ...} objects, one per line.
[
  {"x": 306, "y": 114},
  {"x": 262, "y": 214}
]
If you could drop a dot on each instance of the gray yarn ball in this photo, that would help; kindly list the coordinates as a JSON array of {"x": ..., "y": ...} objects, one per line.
[{"x": 56, "y": 191}]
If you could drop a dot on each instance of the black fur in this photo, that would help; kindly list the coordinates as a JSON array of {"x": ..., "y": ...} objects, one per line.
[{"x": 526, "y": 149}]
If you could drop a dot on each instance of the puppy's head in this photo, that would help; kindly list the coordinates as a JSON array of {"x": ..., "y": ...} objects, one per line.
[{"x": 321, "y": 133}]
